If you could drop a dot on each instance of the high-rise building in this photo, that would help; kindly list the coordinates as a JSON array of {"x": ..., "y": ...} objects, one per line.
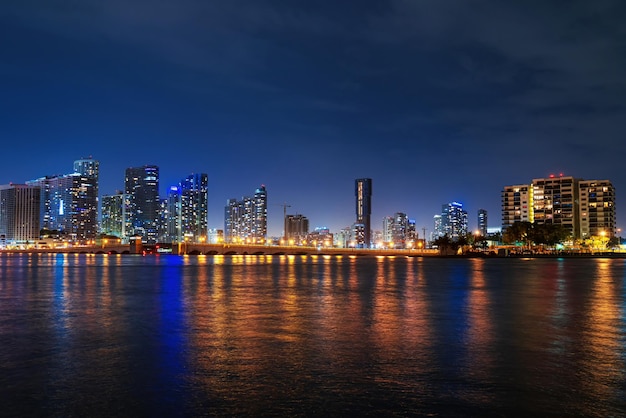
[
  {"x": 112, "y": 218},
  {"x": 555, "y": 201},
  {"x": 259, "y": 231},
  {"x": 584, "y": 207},
  {"x": 141, "y": 193},
  {"x": 169, "y": 224},
  {"x": 193, "y": 216},
  {"x": 19, "y": 213},
  {"x": 597, "y": 208},
  {"x": 363, "y": 193},
  {"x": 517, "y": 204},
  {"x": 482, "y": 222},
  {"x": 69, "y": 204},
  {"x": 387, "y": 232},
  {"x": 438, "y": 230},
  {"x": 399, "y": 230},
  {"x": 246, "y": 220},
  {"x": 453, "y": 221},
  {"x": 297, "y": 227}
]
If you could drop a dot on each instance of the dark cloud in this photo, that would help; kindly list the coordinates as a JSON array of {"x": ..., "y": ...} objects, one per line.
[{"x": 399, "y": 90}]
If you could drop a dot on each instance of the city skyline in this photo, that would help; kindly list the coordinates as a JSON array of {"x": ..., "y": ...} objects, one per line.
[{"x": 435, "y": 101}]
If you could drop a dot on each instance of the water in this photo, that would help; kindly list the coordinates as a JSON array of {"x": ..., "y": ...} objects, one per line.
[{"x": 103, "y": 335}]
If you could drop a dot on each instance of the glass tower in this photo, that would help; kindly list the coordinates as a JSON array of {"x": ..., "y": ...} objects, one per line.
[{"x": 142, "y": 202}]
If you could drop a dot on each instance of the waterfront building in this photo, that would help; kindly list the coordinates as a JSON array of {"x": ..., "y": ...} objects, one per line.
[
  {"x": 342, "y": 238},
  {"x": 555, "y": 202},
  {"x": 142, "y": 204},
  {"x": 259, "y": 231},
  {"x": 245, "y": 220},
  {"x": 215, "y": 236},
  {"x": 320, "y": 237},
  {"x": 363, "y": 193},
  {"x": 482, "y": 222},
  {"x": 411, "y": 234},
  {"x": 453, "y": 221},
  {"x": 193, "y": 214},
  {"x": 357, "y": 236},
  {"x": 517, "y": 204},
  {"x": 297, "y": 228},
  {"x": 597, "y": 208},
  {"x": 112, "y": 215},
  {"x": 584, "y": 207},
  {"x": 387, "y": 232},
  {"x": 169, "y": 216},
  {"x": 438, "y": 230},
  {"x": 20, "y": 206},
  {"x": 399, "y": 230},
  {"x": 69, "y": 205}
]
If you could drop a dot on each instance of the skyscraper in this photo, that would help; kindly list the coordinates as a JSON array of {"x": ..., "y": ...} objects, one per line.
[
  {"x": 482, "y": 222},
  {"x": 245, "y": 220},
  {"x": 19, "y": 213},
  {"x": 453, "y": 220},
  {"x": 69, "y": 203},
  {"x": 194, "y": 207},
  {"x": 260, "y": 214},
  {"x": 141, "y": 191},
  {"x": 363, "y": 193},
  {"x": 112, "y": 219}
]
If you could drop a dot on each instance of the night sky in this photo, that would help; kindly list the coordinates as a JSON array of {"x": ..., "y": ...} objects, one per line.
[{"x": 436, "y": 101}]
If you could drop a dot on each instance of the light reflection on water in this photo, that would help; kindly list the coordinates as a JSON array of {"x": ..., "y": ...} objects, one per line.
[{"x": 311, "y": 335}]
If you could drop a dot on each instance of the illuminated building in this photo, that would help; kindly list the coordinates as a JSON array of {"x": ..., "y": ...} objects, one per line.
[
  {"x": 112, "y": 215},
  {"x": 452, "y": 222},
  {"x": 482, "y": 222},
  {"x": 584, "y": 207},
  {"x": 555, "y": 201},
  {"x": 363, "y": 193},
  {"x": 342, "y": 238},
  {"x": 597, "y": 208},
  {"x": 141, "y": 205},
  {"x": 259, "y": 230},
  {"x": 193, "y": 214},
  {"x": 438, "y": 228},
  {"x": 320, "y": 237},
  {"x": 387, "y": 232},
  {"x": 246, "y": 220},
  {"x": 517, "y": 204},
  {"x": 396, "y": 230},
  {"x": 20, "y": 206},
  {"x": 69, "y": 203}
]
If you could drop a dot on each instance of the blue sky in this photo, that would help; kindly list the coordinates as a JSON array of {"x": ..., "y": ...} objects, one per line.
[{"x": 436, "y": 101}]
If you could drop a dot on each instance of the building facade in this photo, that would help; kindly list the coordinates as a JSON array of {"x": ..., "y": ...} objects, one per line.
[
  {"x": 112, "y": 215},
  {"x": 245, "y": 220},
  {"x": 69, "y": 205},
  {"x": 20, "y": 206},
  {"x": 141, "y": 204},
  {"x": 194, "y": 203},
  {"x": 597, "y": 208},
  {"x": 452, "y": 221},
  {"x": 517, "y": 204},
  {"x": 482, "y": 222},
  {"x": 363, "y": 194},
  {"x": 296, "y": 228},
  {"x": 584, "y": 207}
]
